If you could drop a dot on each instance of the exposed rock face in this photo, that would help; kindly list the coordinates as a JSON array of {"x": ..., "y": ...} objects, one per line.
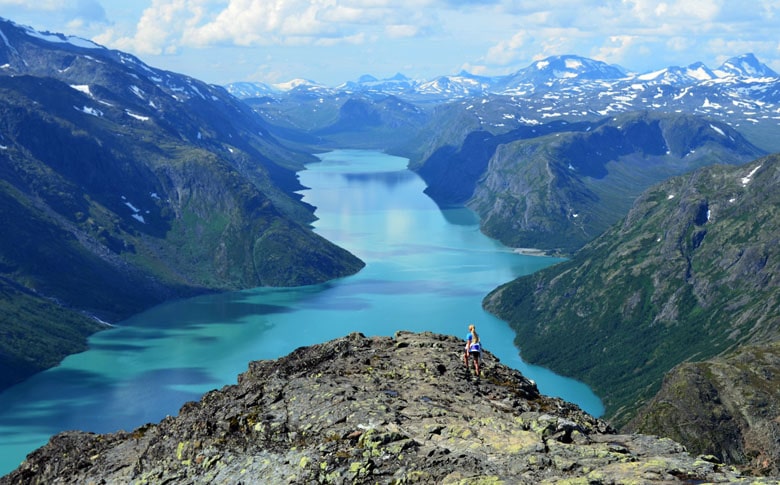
[
  {"x": 559, "y": 185},
  {"x": 727, "y": 407},
  {"x": 372, "y": 410}
]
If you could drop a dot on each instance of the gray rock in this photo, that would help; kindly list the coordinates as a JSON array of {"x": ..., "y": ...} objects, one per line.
[
  {"x": 372, "y": 410},
  {"x": 727, "y": 407}
]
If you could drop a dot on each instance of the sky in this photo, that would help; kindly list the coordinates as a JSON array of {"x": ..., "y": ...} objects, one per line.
[{"x": 334, "y": 41}]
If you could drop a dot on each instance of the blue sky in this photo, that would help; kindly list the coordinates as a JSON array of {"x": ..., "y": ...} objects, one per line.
[{"x": 333, "y": 41}]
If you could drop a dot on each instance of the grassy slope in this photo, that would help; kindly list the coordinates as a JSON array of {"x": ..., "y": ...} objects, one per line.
[{"x": 664, "y": 286}]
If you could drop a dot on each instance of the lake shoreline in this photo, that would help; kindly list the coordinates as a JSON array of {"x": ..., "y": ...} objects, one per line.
[{"x": 531, "y": 252}]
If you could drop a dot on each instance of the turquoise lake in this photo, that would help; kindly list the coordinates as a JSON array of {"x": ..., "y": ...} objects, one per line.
[{"x": 426, "y": 269}]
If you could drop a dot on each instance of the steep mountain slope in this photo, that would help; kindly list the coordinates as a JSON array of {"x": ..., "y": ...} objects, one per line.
[
  {"x": 725, "y": 406},
  {"x": 376, "y": 410},
  {"x": 557, "y": 186},
  {"x": 335, "y": 120},
  {"x": 690, "y": 273},
  {"x": 122, "y": 186}
]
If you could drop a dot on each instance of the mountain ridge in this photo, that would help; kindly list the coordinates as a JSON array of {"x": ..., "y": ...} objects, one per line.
[
  {"x": 214, "y": 205},
  {"x": 687, "y": 275},
  {"x": 732, "y": 93},
  {"x": 539, "y": 73},
  {"x": 123, "y": 186},
  {"x": 558, "y": 185},
  {"x": 373, "y": 410}
]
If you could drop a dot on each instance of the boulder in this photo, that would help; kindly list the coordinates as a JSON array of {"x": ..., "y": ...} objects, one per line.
[{"x": 372, "y": 410}]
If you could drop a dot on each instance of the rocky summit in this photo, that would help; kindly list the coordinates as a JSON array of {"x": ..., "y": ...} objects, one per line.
[{"x": 373, "y": 410}]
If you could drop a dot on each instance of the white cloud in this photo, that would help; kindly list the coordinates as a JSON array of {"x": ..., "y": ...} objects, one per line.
[
  {"x": 167, "y": 25},
  {"x": 615, "y": 47},
  {"x": 507, "y": 51},
  {"x": 431, "y": 36},
  {"x": 403, "y": 30},
  {"x": 631, "y": 32},
  {"x": 78, "y": 15},
  {"x": 653, "y": 11}
]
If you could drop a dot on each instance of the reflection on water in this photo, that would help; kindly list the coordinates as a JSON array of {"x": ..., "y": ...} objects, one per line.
[{"x": 426, "y": 269}]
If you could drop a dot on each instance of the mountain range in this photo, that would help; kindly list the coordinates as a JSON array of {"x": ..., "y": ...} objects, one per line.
[
  {"x": 689, "y": 274},
  {"x": 558, "y": 157},
  {"x": 742, "y": 91},
  {"x": 547, "y": 74},
  {"x": 373, "y": 410},
  {"x": 122, "y": 186},
  {"x": 592, "y": 135}
]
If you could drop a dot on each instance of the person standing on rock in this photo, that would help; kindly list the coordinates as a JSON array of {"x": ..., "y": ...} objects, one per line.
[{"x": 473, "y": 349}]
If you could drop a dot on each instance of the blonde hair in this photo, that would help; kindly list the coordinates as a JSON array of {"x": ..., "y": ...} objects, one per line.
[{"x": 474, "y": 335}]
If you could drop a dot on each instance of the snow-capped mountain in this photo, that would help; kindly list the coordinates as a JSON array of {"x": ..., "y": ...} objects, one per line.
[
  {"x": 745, "y": 66},
  {"x": 556, "y": 69},
  {"x": 397, "y": 84},
  {"x": 741, "y": 92},
  {"x": 463, "y": 84},
  {"x": 742, "y": 83},
  {"x": 676, "y": 76},
  {"x": 245, "y": 90}
]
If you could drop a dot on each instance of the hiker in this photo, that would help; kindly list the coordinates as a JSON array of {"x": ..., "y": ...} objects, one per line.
[{"x": 473, "y": 349}]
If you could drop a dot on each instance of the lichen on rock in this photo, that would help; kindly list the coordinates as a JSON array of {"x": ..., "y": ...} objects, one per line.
[{"x": 371, "y": 410}]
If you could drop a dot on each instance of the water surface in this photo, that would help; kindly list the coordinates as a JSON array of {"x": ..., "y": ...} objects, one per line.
[{"x": 426, "y": 269}]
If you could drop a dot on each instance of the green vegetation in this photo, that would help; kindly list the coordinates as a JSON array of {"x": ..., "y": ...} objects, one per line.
[
  {"x": 36, "y": 334},
  {"x": 559, "y": 191},
  {"x": 106, "y": 214},
  {"x": 686, "y": 275}
]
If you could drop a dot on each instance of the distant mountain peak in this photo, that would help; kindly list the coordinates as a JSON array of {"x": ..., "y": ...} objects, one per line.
[
  {"x": 698, "y": 70},
  {"x": 398, "y": 77},
  {"x": 695, "y": 72},
  {"x": 367, "y": 78},
  {"x": 746, "y": 65},
  {"x": 562, "y": 68},
  {"x": 53, "y": 37},
  {"x": 570, "y": 66},
  {"x": 295, "y": 84}
]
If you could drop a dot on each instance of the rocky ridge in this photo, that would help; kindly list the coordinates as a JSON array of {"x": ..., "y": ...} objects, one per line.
[
  {"x": 726, "y": 406},
  {"x": 373, "y": 410}
]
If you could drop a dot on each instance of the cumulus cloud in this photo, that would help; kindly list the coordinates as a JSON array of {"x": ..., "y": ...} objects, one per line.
[
  {"x": 507, "y": 51},
  {"x": 167, "y": 25},
  {"x": 487, "y": 35},
  {"x": 78, "y": 15},
  {"x": 623, "y": 31}
]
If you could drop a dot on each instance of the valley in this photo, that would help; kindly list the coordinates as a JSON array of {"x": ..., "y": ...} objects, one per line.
[{"x": 139, "y": 186}]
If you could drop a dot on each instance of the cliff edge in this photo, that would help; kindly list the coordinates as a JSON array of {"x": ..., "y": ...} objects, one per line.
[{"x": 372, "y": 410}]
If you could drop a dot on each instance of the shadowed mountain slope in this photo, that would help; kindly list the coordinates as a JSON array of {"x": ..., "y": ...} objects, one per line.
[
  {"x": 557, "y": 186},
  {"x": 122, "y": 186}
]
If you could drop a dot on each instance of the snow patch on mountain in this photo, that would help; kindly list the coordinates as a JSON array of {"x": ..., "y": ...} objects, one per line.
[
  {"x": 59, "y": 38},
  {"x": 295, "y": 84},
  {"x": 84, "y": 88},
  {"x": 746, "y": 180},
  {"x": 136, "y": 116},
  {"x": 89, "y": 110},
  {"x": 718, "y": 130}
]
